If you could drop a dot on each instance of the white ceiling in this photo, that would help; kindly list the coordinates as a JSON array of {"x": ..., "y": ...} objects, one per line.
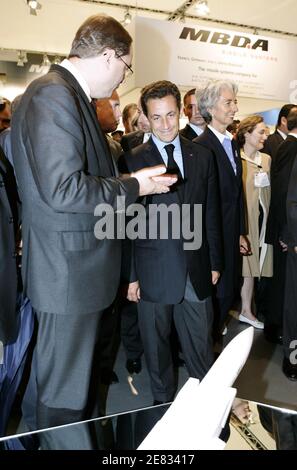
[
  {"x": 277, "y": 15},
  {"x": 53, "y": 28}
]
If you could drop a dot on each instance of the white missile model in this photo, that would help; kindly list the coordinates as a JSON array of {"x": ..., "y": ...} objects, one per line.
[{"x": 196, "y": 417}]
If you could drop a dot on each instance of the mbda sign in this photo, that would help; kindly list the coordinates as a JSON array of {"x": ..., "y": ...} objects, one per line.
[{"x": 224, "y": 39}]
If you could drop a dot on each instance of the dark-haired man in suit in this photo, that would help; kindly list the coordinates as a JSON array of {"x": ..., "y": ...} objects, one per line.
[
  {"x": 64, "y": 170},
  {"x": 196, "y": 124},
  {"x": 277, "y": 233},
  {"x": 170, "y": 281},
  {"x": 281, "y": 131}
]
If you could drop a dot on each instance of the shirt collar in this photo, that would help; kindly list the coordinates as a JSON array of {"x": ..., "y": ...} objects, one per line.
[
  {"x": 146, "y": 136},
  {"x": 256, "y": 161},
  {"x": 195, "y": 128},
  {"x": 78, "y": 76},
  {"x": 160, "y": 144},
  {"x": 282, "y": 134},
  {"x": 290, "y": 133},
  {"x": 219, "y": 135}
]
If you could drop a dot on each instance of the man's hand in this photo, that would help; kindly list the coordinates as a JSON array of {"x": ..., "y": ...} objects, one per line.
[
  {"x": 215, "y": 275},
  {"x": 133, "y": 293},
  {"x": 284, "y": 246},
  {"x": 151, "y": 180},
  {"x": 244, "y": 246}
]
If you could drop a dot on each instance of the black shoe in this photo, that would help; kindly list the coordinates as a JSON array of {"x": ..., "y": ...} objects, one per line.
[
  {"x": 108, "y": 377},
  {"x": 289, "y": 369},
  {"x": 133, "y": 366},
  {"x": 273, "y": 334}
]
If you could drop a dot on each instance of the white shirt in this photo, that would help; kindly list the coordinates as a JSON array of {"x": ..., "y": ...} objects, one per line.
[
  {"x": 78, "y": 76},
  {"x": 146, "y": 136},
  {"x": 290, "y": 133},
  {"x": 177, "y": 153},
  {"x": 282, "y": 134},
  {"x": 196, "y": 129},
  {"x": 219, "y": 135}
]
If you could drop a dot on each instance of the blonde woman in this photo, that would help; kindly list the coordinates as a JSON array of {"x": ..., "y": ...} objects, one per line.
[{"x": 251, "y": 136}]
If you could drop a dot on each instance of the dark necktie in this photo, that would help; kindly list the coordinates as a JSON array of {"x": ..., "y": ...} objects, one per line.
[
  {"x": 173, "y": 169},
  {"x": 172, "y": 166}
]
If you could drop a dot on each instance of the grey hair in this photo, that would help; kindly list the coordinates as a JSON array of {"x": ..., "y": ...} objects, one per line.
[{"x": 210, "y": 95}]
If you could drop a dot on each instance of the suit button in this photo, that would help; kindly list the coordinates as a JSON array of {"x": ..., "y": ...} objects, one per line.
[
  {"x": 10, "y": 220},
  {"x": 14, "y": 255},
  {"x": 2, "y": 184}
]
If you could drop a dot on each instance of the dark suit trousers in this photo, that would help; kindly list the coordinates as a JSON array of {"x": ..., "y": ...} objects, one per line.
[
  {"x": 193, "y": 322},
  {"x": 130, "y": 333},
  {"x": 67, "y": 368},
  {"x": 275, "y": 300},
  {"x": 222, "y": 305},
  {"x": 290, "y": 305}
]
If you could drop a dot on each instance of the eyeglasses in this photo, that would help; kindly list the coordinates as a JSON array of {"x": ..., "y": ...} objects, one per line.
[{"x": 128, "y": 66}]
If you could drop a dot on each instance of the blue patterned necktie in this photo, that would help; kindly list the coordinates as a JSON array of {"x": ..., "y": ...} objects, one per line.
[{"x": 227, "y": 144}]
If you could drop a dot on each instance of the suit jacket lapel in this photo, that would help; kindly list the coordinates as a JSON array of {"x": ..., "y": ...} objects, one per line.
[
  {"x": 237, "y": 159},
  {"x": 152, "y": 154},
  {"x": 192, "y": 134},
  {"x": 222, "y": 154},
  {"x": 3, "y": 193},
  {"x": 98, "y": 137},
  {"x": 189, "y": 180}
]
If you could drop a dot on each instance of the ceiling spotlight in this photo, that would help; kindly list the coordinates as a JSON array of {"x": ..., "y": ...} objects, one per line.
[
  {"x": 22, "y": 59},
  {"x": 45, "y": 62},
  {"x": 34, "y": 6},
  {"x": 57, "y": 60},
  {"x": 182, "y": 18},
  {"x": 202, "y": 8},
  {"x": 127, "y": 17}
]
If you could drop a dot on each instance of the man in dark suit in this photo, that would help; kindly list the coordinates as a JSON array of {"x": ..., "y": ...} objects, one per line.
[
  {"x": 281, "y": 131},
  {"x": 64, "y": 170},
  {"x": 196, "y": 124},
  {"x": 283, "y": 149},
  {"x": 276, "y": 230},
  {"x": 170, "y": 280},
  {"x": 218, "y": 105},
  {"x": 129, "y": 322},
  {"x": 16, "y": 324},
  {"x": 8, "y": 254},
  {"x": 290, "y": 305},
  {"x": 277, "y": 233},
  {"x": 133, "y": 139}
]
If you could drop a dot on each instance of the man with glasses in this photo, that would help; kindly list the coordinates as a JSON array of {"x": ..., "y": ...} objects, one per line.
[
  {"x": 128, "y": 67},
  {"x": 64, "y": 170}
]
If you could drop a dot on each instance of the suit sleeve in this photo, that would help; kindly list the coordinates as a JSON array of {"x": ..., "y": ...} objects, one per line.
[
  {"x": 128, "y": 271},
  {"x": 213, "y": 218},
  {"x": 125, "y": 144},
  {"x": 292, "y": 206},
  {"x": 56, "y": 147}
]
